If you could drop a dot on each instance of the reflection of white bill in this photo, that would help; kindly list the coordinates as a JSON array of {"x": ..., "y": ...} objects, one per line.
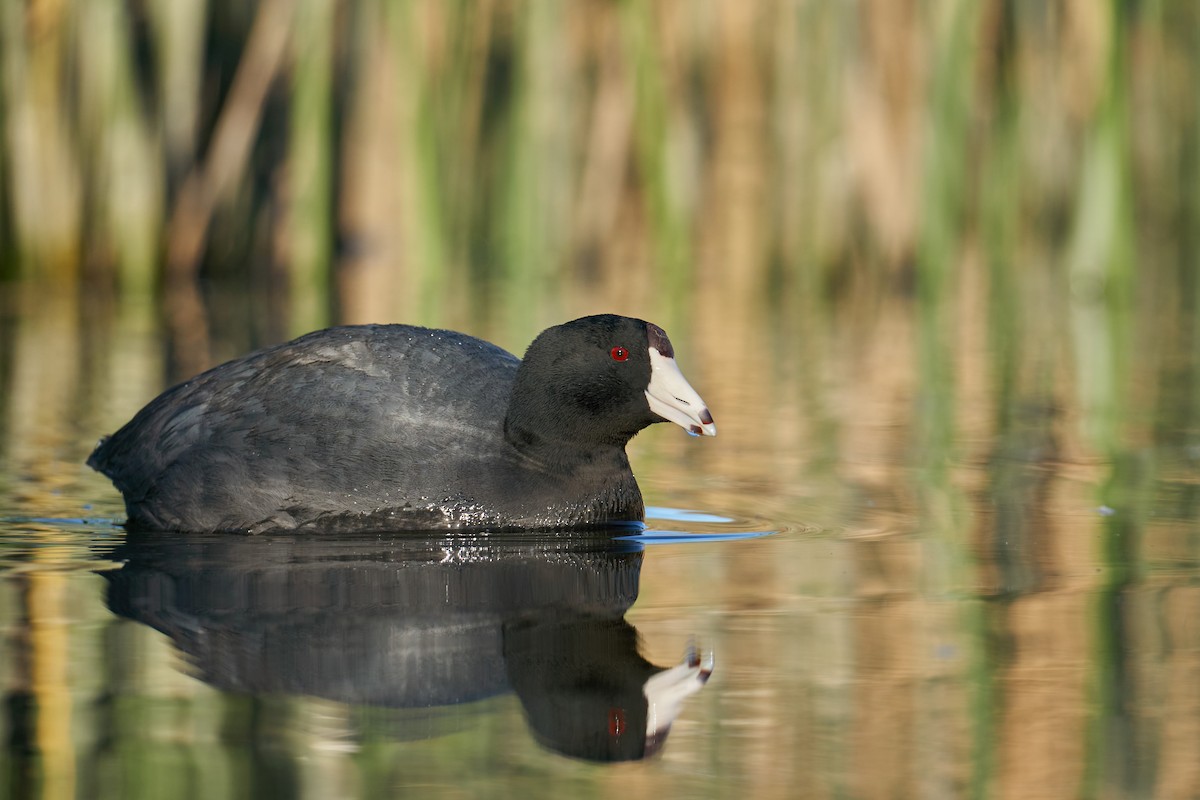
[{"x": 665, "y": 691}]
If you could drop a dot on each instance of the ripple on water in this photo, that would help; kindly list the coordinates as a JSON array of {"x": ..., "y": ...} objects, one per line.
[
  {"x": 663, "y": 526},
  {"x": 678, "y": 526},
  {"x": 54, "y": 542}
]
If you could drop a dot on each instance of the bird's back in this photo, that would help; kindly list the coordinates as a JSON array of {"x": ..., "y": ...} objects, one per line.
[{"x": 324, "y": 426}]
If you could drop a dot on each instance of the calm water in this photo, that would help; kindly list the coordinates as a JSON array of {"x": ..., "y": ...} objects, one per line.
[{"x": 923, "y": 565}]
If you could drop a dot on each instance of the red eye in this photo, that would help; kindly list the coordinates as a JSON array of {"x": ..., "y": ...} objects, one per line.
[
  {"x": 619, "y": 353},
  {"x": 616, "y": 722}
]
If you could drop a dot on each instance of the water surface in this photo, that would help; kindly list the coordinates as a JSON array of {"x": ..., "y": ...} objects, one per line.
[{"x": 917, "y": 572}]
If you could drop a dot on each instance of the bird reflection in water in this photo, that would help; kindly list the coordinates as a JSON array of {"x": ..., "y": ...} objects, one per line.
[{"x": 405, "y": 622}]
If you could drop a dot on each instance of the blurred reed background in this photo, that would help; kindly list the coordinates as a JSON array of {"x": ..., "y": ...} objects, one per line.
[{"x": 453, "y": 162}]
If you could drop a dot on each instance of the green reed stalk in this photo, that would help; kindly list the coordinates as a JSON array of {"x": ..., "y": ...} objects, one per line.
[
  {"x": 420, "y": 160},
  {"x": 310, "y": 184},
  {"x": 534, "y": 197},
  {"x": 663, "y": 137},
  {"x": 1100, "y": 263}
]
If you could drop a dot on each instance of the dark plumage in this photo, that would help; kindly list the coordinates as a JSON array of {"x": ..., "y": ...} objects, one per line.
[{"x": 394, "y": 426}]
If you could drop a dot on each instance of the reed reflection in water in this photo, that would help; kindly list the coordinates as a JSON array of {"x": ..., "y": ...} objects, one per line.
[{"x": 986, "y": 575}]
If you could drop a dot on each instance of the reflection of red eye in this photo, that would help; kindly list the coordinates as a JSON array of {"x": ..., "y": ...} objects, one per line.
[
  {"x": 616, "y": 722},
  {"x": 619, "y": 353}
]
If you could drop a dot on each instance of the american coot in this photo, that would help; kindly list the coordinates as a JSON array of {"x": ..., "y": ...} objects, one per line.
[{"x": 394, "y": 426}]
